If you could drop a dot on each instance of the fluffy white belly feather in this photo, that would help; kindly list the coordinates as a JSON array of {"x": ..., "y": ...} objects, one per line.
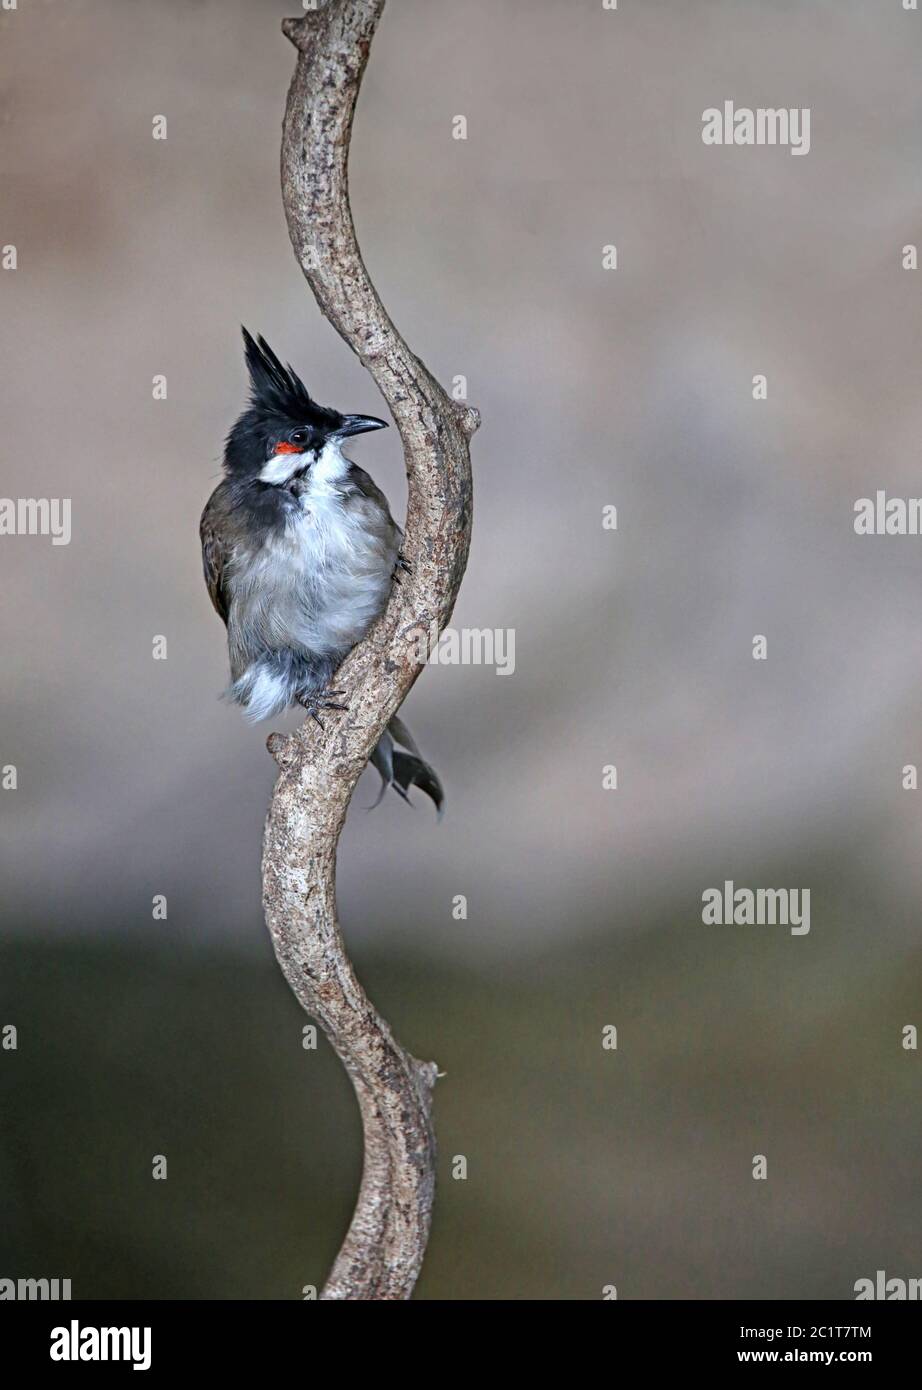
[{"x": 317, "y": 587}]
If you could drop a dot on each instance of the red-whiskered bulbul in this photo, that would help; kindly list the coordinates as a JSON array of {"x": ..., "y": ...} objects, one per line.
[{"x": 300, "y": 550}]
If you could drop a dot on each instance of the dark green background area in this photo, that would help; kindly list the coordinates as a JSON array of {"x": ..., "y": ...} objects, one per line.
[{"x": 585, "y": 1167}]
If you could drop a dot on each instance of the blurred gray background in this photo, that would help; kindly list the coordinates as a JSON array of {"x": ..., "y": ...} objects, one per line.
[{"x": 630, "y": 387}]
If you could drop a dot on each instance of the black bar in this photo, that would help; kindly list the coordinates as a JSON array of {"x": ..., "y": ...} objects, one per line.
[{"x": 260, "y": 1337}]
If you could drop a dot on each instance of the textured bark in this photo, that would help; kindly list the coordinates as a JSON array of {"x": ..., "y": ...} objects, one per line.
[{"x": 385, "y": 1244}]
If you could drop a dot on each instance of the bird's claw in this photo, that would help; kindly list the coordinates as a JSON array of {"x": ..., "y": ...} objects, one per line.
[
  {"x": 315, "y": 701},
  {"x": 402, "y": 564}
]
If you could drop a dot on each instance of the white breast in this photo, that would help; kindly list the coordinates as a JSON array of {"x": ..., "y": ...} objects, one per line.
[{"x": 319, "y": 585}]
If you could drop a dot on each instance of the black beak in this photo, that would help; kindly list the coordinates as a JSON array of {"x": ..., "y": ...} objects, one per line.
[{"x": 360, "y": 424}]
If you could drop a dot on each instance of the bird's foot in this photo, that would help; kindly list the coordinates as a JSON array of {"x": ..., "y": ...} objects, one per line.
[
  {"x": 314, "y": 701},
  {"x": 402, "y": 566}
]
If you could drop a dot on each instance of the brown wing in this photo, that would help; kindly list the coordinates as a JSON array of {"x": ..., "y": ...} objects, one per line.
[
  {"x": 367, "y": 486},
  {"x": 214, "y": 553}
]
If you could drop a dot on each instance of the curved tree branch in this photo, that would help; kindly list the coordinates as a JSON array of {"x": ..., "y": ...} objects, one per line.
[{"x": 385, "y": 1244}]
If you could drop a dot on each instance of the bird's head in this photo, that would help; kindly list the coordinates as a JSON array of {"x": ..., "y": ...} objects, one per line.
[{"x": 284, "y": 434}]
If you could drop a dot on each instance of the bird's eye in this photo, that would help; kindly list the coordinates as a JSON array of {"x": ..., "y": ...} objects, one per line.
[{"x": 298, "y": 436}]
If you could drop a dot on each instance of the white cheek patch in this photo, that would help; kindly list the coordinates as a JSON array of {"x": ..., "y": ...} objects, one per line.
[
  {"x": 330, "y": 467},
  {"x": 281, "y": 468}
]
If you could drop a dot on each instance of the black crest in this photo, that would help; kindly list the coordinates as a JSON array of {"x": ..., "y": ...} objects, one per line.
[
  {"x": 275, "y": 389},
  {"x": 279, "y": 400}
]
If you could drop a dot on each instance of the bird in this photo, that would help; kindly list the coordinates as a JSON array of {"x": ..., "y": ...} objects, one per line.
[{"x": 299, "y": 551}]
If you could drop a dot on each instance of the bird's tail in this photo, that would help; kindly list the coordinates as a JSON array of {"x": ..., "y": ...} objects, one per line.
[{"x": 403, "y": 770}]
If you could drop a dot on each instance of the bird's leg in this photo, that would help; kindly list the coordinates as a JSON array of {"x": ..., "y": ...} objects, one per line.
[
  {"x": 314, "y": 701},
  {"x": 402, "y": 566}
]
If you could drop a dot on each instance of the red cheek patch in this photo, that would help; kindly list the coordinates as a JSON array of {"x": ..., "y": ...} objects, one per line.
[{"x": 286, "y": 448}]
